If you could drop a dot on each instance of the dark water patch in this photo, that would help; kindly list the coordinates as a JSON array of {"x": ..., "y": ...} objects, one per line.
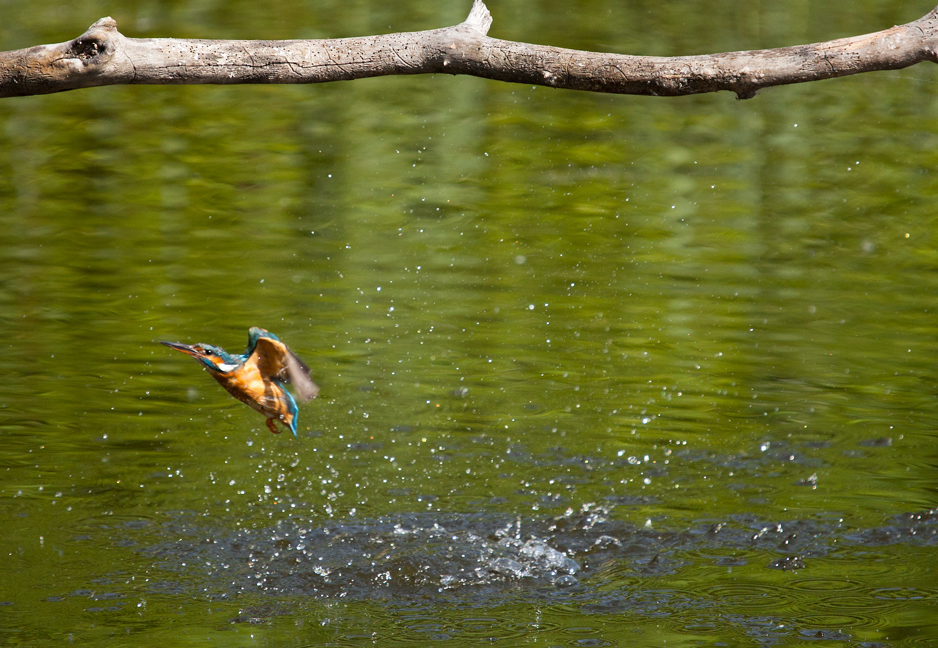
[
  {"x": 767, "y": 455},
  {"x": 111, "y": 522},
  {"x": 881, "y": 442},
  {"x": 631, "y": 500},
  {"x": 105, "y": 596},
  {"x": 824, "y": 635},
  {"x": 259, "y": 614},
  {"x": 908, "y": 528},
  {"x": 788, "y": 563},
  {"x": 108, "y": 608},
  {"x": 82, "y": 592},
  {"x": 488, "y": 556}
]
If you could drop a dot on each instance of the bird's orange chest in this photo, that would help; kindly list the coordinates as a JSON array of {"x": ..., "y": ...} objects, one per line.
[{"x": 247, "y": 384}]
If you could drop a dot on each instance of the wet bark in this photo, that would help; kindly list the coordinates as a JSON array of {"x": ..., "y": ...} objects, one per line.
[{"x": 103, "y": 56}]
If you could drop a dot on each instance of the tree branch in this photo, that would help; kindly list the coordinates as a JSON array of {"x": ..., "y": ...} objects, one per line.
[{"x": 103, "y": 56}]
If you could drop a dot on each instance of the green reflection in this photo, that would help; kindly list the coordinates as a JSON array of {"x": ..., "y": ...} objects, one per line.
[{"x": 515, "y": 300}]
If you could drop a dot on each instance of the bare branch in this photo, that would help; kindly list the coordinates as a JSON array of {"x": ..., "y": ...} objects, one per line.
[{"x": 103, "y": 56}]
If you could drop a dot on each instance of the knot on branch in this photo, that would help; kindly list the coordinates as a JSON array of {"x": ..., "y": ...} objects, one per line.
[
  {"x": 85, "y": 48},
  {"x": 97, "y": 40}
]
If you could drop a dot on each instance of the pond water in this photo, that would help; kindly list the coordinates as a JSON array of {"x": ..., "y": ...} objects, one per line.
[{"x": 594, "y": 370}]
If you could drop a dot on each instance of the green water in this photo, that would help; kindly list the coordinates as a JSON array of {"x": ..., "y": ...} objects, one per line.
[{"x": 521, "y": 305}]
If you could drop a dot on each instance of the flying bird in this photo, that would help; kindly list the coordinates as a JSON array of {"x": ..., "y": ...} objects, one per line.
[{"x": 257, "y": 376}]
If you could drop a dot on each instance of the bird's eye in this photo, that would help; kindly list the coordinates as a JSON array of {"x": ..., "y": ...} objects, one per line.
[{"x": 209, "y": 352}]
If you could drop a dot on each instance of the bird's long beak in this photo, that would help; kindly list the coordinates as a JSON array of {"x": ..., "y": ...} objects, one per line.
[{"x": 185, "y": 348}]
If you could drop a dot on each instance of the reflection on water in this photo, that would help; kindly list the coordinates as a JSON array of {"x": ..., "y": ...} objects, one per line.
[{"x": 594, "y": 370}]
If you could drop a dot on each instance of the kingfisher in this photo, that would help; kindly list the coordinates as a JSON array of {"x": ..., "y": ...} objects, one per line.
[{"x": 257, "y": 376}]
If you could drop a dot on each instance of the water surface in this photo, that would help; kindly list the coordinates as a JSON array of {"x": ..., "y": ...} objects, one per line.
[{"x": 594, "y": 370}]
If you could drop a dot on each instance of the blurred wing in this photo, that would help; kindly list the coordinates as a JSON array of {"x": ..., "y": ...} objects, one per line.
[
  {"x": 275, "y": 360},
  {"x": 298, "y": 374}
]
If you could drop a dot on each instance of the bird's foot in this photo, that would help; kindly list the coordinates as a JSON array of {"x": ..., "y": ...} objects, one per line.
[{"x": 272, "y": 426}]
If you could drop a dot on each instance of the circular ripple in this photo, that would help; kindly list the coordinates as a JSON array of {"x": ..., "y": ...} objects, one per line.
[
  {"x": 901, "y": 594},
  {"x": 581, "y": 630},
  {"x": 488, "y": 629},
  {"x": 475, "y": 629},
  {"x": 851, "y": 603},
  {"x": 524, "y": 629},
  {"x": 927, "y": 641},
  {"x": 824, "y": 585},
  {"x": 420, "y": 628},
  {"x": 872, "y": 561},
  {"x": 700, "y": 622},
  {"x": 840, "y": 621},
  {"x": 748, "y": 595}
]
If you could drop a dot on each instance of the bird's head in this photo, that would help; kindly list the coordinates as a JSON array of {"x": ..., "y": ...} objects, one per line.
[{"x": 213, "y": 357}]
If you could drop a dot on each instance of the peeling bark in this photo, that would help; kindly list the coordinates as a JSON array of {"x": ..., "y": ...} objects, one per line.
[{"x": 103, "y": 56}]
